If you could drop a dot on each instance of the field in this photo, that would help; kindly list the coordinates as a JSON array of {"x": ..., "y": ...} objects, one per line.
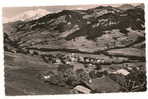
[{"x": 21, "y": 76}]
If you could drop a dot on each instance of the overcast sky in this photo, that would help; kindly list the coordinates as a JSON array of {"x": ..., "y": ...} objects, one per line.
[{"x": 13, "y": 11}]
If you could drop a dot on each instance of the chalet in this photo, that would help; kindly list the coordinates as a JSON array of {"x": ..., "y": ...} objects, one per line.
[
  {"x": 58, "y": 61},
  {"x": 47, "y": 77},
  {"x": 81, "y": 89},
  {"x": 98, "y": 60},
  {"x": 104, "y": 84},
  {"x": 121, "y": 71}
]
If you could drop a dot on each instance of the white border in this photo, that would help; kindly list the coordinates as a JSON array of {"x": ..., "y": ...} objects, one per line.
[
  {"x": 12, "y": 3},
  {"x": 63, "y": 2}
]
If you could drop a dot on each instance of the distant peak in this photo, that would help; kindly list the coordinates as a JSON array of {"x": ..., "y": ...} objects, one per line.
[
  {"x": 28, "y": 15},
  {"x": 126, "y": 7}
]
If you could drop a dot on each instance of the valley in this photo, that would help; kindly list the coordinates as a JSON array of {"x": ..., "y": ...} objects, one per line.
[{"x": 98, "y": 50}]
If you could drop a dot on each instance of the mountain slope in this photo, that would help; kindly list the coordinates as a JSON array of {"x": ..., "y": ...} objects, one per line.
[{"x": 100, "y": 28}]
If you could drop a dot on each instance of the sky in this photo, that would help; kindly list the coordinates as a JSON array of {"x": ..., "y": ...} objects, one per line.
[{"x": 10, "y": 12}]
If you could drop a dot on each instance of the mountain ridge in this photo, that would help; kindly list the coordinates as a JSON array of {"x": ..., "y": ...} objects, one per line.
[{"x": 81, "y": 29}]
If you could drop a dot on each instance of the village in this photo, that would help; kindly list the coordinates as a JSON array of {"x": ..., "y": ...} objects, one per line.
[
  {"x": 85, "y": 74},
  {"x": 100, "y": 49}
]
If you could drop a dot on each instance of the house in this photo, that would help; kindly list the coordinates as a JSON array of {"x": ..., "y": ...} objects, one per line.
[
  {"x": 58, "y": 61},
  {"x": 104, "y": 84},
  {"x": 46, "y": 77},
  {"x": 81, "y": 89},
  {"x": 121, "y": 71}
]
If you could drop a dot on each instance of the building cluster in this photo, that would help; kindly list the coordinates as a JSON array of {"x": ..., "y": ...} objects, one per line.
[{"x": 71, "y": 58}]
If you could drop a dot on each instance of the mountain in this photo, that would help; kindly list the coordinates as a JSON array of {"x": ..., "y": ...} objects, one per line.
[
  {"x": 97, "y": 29},
  {"x": 129, "y": 6},
  {"x": 27, "y": 16},
  {"x": 126, "y": 7},
  {"x": 140, "y": 6},
  {"x": 102, "y": 49}
]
